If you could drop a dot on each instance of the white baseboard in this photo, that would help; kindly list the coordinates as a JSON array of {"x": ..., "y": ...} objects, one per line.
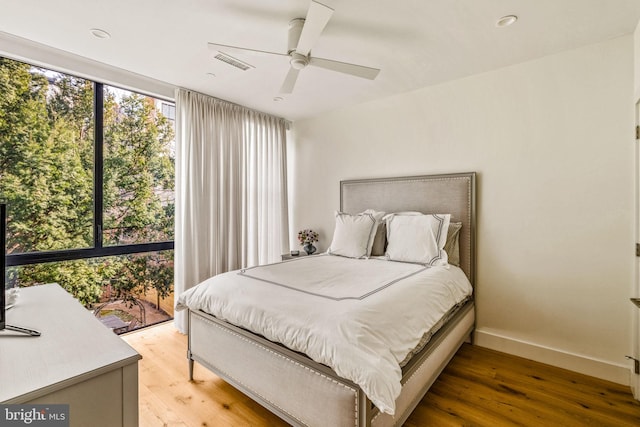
[
  {"x": 619, "y": 374},
  {"x": 635, "y": 386}
]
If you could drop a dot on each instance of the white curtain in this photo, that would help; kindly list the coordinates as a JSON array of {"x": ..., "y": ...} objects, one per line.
[{"x": 231, "y": 194}]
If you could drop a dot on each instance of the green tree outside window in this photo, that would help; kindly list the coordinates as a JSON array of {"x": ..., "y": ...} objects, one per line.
[{"x": 46, "y": 177}]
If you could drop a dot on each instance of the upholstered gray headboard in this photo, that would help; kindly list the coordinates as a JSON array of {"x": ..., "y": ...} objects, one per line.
[{"x": 453, "y": 194}]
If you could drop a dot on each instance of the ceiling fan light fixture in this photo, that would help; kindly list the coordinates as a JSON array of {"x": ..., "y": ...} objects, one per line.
[
  {"x": 298, "y": 61},
  {"x": 506, "y": 20}
]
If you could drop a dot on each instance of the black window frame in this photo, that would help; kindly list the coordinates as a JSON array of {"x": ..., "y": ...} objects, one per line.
[{"x": 98, "y": 250}]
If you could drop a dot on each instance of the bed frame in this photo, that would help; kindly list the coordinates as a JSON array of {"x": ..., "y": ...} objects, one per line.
[{"x": 306, "y": 393}]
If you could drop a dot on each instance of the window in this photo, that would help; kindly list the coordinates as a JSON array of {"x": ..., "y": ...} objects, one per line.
[
  {"x": 46, "y": 157},
  {"x": 137, "y": 169},
  {"x": 87, "y": 171}
]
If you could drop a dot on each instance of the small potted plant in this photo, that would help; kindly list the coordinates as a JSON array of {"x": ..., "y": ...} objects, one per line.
[{"x": 306, "y": 238}]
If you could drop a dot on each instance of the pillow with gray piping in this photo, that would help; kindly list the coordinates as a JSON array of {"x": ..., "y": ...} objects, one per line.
[
  {"x": 417, "y": 238},
  {"x": 353, "y": 235}
]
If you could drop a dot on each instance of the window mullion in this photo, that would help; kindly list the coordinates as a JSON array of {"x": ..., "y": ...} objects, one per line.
[
  {"x": 98, "y": 176},
  {"x": 41, "y": 257}
]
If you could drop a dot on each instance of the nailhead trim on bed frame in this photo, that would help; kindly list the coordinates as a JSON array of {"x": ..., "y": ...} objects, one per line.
[{"x": 355, "y": 392}]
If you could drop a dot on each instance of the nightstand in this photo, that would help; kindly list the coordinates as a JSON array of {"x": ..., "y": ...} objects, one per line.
[{"x": 289, "y": 256}]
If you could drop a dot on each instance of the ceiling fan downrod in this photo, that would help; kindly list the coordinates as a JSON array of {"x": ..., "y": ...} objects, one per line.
[{"x": 297, "y": 61}]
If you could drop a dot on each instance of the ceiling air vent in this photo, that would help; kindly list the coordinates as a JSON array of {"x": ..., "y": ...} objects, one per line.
[{"x": 233, "y": 61}]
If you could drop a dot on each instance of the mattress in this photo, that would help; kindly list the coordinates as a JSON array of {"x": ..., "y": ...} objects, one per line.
[{"x": 361, "y": 317}]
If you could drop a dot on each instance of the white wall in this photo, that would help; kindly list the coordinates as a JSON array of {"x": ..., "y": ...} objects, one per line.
[
  {"x": 636, "y": 57},
  {"x": 635, "y": 330},
  {"x": 551, "y": 141}
]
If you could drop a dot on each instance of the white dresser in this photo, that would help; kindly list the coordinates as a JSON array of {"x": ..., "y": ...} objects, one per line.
[{"x": 76, "y": 360}]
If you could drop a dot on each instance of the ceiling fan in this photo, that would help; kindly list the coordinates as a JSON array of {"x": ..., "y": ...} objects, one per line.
[{"x": 303, "y": 35}]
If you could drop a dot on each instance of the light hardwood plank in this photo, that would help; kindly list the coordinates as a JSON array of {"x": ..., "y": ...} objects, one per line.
[
  {"x": 170, "y": 399},
  {"x": 481, "y": 384},
  {"x": 480, "y": 387}
]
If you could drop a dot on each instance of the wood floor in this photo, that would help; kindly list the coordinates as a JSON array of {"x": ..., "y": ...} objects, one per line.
[{"x": 480, "y": 387}]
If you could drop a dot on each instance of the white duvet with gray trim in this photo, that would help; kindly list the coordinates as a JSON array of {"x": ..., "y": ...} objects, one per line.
[{"x": 361, "y": 317}]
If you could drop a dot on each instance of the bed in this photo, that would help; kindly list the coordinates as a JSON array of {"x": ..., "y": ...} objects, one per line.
[{"x": 305, "y": 392}]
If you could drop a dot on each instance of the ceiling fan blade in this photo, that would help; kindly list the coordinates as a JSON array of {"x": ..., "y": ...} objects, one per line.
[
  {"x": 317, "y": 18},
  {"x": 346, "y": 68},
  {"x": 289, "y": 81},
  {"x": 219, "y": 47}
]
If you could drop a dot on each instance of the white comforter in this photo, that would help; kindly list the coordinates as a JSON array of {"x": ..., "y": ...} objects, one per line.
[{"x": 361, "y": 317}]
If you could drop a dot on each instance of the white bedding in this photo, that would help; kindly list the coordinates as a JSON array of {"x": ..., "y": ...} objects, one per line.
[{"x": 362, "y": 329}]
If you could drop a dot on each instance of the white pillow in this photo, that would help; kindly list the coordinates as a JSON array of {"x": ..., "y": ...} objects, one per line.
[
  {"x": 417, "y": 238},
  {"x": 353, "y": 235}
]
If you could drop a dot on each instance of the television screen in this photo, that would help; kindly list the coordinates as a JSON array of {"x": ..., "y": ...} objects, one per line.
[
  {"x": 3, "y": 275},
  {"x": 3, "y": 234}
]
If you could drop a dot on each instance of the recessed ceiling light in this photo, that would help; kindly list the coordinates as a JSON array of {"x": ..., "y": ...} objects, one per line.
[
  {"x": 100, "y": 34},
  {"x": 211, "y": 75},
  {"x": 278, "y": 98},
  {"x": 507, "y": 20}
]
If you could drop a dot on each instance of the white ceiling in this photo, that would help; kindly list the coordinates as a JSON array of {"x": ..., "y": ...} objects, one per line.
[{"x": 416, "y": 43}]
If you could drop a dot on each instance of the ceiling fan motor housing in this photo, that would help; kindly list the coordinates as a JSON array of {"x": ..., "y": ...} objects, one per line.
[{"x": 298, "y": 61}]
